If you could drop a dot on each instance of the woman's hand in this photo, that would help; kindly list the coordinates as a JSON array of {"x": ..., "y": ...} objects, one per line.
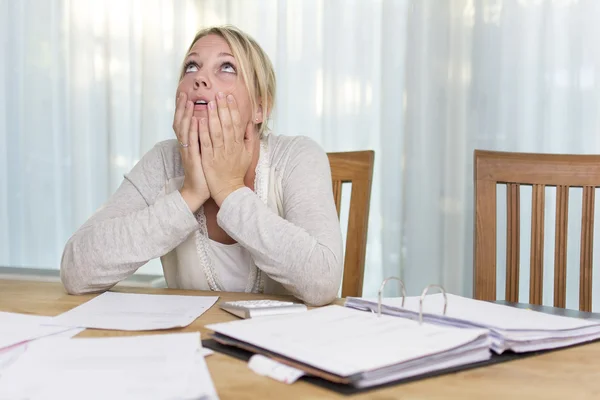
[
  {"x": 227, "y": 145},
  {"x": 195, "y": 189}
]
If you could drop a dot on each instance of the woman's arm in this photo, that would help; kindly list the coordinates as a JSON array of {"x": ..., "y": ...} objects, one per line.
[
  {"x": 303, "y": 250},
  {"x": 132, "y": 228}
]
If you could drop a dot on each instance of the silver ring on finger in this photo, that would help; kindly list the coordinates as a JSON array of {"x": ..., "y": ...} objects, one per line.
[{"x": 184, "y": 145}]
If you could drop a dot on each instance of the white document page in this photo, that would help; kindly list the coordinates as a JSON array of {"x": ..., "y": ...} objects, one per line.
[
  {"x": 200, "y": 385},
  {"x": 488, "y": 314},
  {"x": 135, "y": 367},
  {"x": 8, "y": 355},
  {"x": 136, "y": 312},
  {"x": 18, "y": 328},
  {"x": 344, "y": 341},
  {"x": 266, "y": 366}
]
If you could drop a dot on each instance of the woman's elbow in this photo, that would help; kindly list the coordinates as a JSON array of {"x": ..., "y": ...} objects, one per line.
[
  {"x": 78, "y": 284},
  {"x": 70, "y": 277},
  {"x": 324, "y": 285},
  {"x": 74, "y": 279},
  {"x": 320, "y": 297}
]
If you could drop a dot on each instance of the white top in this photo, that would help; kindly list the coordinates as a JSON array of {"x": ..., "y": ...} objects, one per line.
[
  {"x": 235, "y": 265},
  {"x": 288, "y": 230}
]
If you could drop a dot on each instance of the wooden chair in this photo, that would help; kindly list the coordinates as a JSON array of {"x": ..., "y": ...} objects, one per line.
[
  {"x": 539, "y": 171},
  {"x": 356, "y": 168}
]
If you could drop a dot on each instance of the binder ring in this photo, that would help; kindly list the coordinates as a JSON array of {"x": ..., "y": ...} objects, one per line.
[
  {"x": 423, "y": 297},
  {"x": 381, "y": 291}
]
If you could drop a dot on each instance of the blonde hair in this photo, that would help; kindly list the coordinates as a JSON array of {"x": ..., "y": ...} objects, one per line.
[{"x": 254, "y": 65}]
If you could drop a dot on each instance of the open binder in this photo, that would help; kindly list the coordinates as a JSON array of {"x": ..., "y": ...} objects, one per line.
[
  {"x": 348, "y": 350},
  {"x": 511, "y": 328}
]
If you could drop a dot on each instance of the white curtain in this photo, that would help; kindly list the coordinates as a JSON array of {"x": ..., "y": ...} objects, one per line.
[
  {"x": 503, "y": 75},
  {"x": 86, "y": 87}
]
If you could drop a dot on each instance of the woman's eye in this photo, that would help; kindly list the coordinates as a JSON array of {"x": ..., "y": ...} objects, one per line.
[
  {"x": 228, "y": 67},
  {"x": 191, "y": 67}
]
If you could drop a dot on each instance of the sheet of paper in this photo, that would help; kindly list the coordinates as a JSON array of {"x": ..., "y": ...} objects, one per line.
[
  {"x": 8, "y": 355},
  {"x": 136, "y": 312},
  {"x": 344, "y": 341},
  {"x": 204, "y": 352},
  {"x": 134, "y": 367},
  {"x": 489, "y": 314},
  {"x": 200, "y": 384},
  {"x": 267, "y": 367},
  {"x": 18, "y": 328}
]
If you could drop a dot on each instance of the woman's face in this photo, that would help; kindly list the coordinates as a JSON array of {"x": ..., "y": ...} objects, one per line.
[{"x": 210, "y": 68}]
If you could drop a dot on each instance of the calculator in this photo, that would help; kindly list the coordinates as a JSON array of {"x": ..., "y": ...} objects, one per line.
[{"x": 260, "y": 308}]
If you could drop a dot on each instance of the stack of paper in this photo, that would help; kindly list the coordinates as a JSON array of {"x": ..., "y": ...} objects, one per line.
[
  {"x": 136, "y": 312},
  {"x": 511, "y": 328},
  {"x": 354, "y": 347},
  {"x": 141, "y": 367}
]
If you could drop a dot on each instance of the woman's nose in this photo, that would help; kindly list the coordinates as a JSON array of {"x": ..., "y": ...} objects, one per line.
[{"x": 201, "y": 81}]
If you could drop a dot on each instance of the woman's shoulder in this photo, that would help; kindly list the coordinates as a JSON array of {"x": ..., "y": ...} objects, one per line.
[{"x": 287, "y": 150}]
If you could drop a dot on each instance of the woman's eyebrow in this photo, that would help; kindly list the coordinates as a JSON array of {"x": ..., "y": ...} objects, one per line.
[{"x": 222, "y": 54}]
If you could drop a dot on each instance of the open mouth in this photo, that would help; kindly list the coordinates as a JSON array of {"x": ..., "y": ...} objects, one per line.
[{"x": 200, "y": 105}]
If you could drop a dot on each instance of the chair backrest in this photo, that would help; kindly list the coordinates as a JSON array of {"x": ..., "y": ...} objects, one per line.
[
  {"x": 538, "y": 171},
  {"x": 355, "y": 168}
]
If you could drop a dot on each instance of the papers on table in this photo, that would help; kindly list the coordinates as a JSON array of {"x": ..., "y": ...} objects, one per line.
[
  {"x": 8, "y": 355},
  {"x": 510, "y": 328},
  {"x": 356, "y": 347},
  {"x": 39, "y": 360},
  {"x": 19, "y": 328},
  {"x": 136, "y": 312},
  {"x": 167, "y": 366}
]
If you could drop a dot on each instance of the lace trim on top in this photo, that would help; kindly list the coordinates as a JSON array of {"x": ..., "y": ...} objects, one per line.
[
  {"x": 261, "y": 188},
  {"x": 255, "y": 281},
  {"x": 201, "y": 236}
]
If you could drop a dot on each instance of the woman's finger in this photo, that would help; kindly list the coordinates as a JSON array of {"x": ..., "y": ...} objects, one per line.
[
  {"x": 214, "y": 125},
  {"x": 193, "y": 146},
  {"x": 226, "y": 122},
  {"x": 236, "y": 119},
  {"x": 206, "y": 146},
  {"x": 185, "y": 123},
  {"x": 179, "y": 110}
]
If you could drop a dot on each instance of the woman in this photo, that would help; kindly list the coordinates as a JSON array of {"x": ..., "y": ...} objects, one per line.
[{"x": 226, "y": 206}]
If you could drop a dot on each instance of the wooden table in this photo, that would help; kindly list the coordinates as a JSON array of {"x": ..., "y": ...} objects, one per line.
[{"x": 565, "y": 374}]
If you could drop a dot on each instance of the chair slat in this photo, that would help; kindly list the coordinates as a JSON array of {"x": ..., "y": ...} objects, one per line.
[
  {"x": 337, "y": 195},
  {"x": 354, "y": 167},
  {"x": 560, "y": 246},
  {"x": 513, "y": 240},
  {"x": 357, "y": 232},
  {"x": 587, "y": 246},
  {"x": 537, "y": 245},
  {"x": 484, "y": 275}
]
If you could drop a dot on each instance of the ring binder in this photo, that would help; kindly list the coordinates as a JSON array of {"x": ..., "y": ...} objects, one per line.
[
  {"x": 381, "y": 291},
  {"x": 510, "y": 328},
  {"x": 379, "y": 296},
  {"x": 320, "y": 346},
  {"x": 423, "y": 297}
]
